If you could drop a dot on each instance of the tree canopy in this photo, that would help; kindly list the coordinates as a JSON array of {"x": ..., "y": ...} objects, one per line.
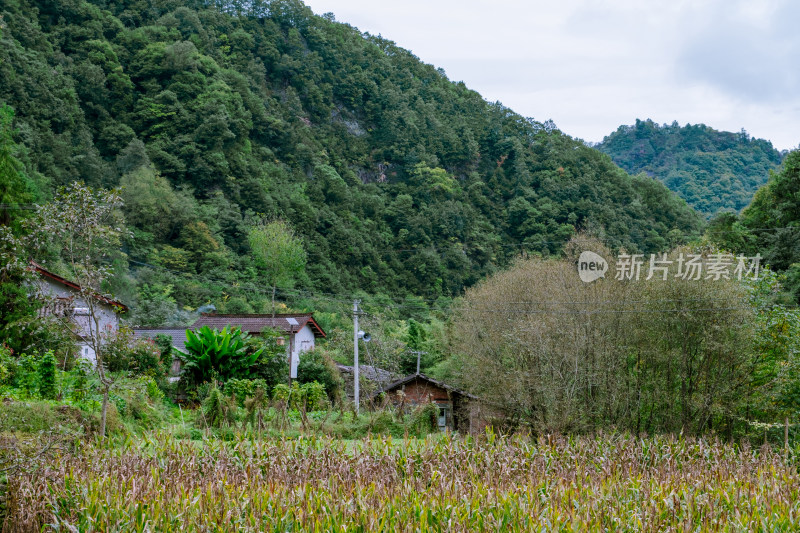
[{"x": 211, "y": 115}]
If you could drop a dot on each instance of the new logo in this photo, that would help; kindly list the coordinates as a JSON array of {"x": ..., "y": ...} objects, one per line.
[{"x": 591, "y": 266}]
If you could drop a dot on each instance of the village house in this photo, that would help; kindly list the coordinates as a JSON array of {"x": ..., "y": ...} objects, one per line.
[
  {"x": 300, "y": 331},
  {"x": 457, "y": 410},
  {"x": 64, "y": 300}
]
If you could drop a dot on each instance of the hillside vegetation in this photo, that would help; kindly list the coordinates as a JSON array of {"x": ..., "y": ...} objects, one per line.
[
  {"x": 210, "y": 115},
  {"x": 769, "y": 226},
  {"x": 712, "y": 170}
]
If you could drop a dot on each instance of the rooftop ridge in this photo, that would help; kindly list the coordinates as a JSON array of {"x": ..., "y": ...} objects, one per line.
[{"x": 257, "y": 315}]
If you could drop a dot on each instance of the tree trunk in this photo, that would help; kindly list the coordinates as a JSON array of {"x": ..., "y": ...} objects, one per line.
[
  {"x": 273, "y": 300},
  {"x": 104, "y": 411},
  {"x": 786, "y": 440}
]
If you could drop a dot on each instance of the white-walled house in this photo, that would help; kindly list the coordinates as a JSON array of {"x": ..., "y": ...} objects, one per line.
[
  {"x": 300, "y": 330},
  {"x": 64, "y": 300}
]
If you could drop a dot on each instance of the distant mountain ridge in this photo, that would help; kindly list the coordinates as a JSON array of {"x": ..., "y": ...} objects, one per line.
[{"x": 712, "y": 170}]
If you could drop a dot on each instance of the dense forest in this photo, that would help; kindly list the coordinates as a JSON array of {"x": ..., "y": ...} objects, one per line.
[
  {"x": 769, "y": 226},
  {"x": 712, "y": 170},
  {"x": 213, "y": 117}
]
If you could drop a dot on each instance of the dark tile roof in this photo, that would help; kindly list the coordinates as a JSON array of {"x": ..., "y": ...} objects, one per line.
[
  {"x": 178, "y": 336},
  {"x": 372, "y": 373},
  {"x": 399, "y": 383},
  {"x": 256, "y": 323},
  {"x": 39, "y": 269}
]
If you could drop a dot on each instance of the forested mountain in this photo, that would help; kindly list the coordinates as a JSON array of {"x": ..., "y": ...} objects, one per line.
[
  {"x": 769, "y": 226},
  {"x": 710, "y": 169},
  {"x": 210, "y": 115}
]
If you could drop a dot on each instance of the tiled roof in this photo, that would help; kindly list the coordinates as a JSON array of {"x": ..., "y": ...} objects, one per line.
[
  {"x": 36, "y": 267},
  {"x": 178, "y": 336},
  {"x": 372, "y": 373},
  {"x": 256, "y": 323},
  {"x": 423, "y": 377}
]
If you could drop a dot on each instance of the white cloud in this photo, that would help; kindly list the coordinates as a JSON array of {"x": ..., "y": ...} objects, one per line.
[{"x": 594, "y": 65}]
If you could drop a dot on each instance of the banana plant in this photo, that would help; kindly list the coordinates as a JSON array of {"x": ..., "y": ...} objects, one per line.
[{"x": 213, "y": 355}]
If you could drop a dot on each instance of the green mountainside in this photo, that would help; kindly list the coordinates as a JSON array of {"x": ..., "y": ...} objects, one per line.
[
  {"x": 211, "y": 115},
  {"x": 712, "y": 170},
  {"x": 769, "y": 226}
]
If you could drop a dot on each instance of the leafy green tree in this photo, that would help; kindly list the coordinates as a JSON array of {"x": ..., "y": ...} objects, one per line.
[
  {"x": 658, "y": 355},
  {"x": 279, "y": 251},
  {"x": 154, "y": 307},
  {"x": 416, "y": 342},
  {"x": 776, "y": 372},
  {"x": 399, "y": 180},
  {"x": 213, "y": 355}
]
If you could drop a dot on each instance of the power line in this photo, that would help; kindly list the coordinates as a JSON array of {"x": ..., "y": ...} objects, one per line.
[{"x": 517, "y": 307}]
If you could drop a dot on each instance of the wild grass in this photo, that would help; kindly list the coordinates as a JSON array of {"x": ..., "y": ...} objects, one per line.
[{"x": 611, "y": 482}]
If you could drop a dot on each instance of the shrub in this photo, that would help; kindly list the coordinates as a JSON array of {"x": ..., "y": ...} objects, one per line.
[
  {"x": 314, "y": 397},
  {"x": 317, "y": 366},
  {"x": 25, "y": 377},
  {"x": 80, "y": 380},
  {"x": 272, "y": 365},
  {"x": 47, "y": 376},
  {"x": 282, "y": 393},
  {"x": 424, "y": 419},
  {"x": 217, "y": 355},
  {"x": 123, "y": 353},
  {"x": 8, "y": 365},
  {"x": 309, "y": 396},
  {"x": 241, "y": 389},
  {"x": 219, "y": 410}
]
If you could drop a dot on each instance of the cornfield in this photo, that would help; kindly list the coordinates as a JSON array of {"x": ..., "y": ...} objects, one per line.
[{"x": 614, "y": 482}]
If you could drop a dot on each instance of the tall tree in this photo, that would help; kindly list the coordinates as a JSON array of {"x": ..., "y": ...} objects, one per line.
[
  {"x": 85, "y": 226},
  {"x": 279, "y": 251}
]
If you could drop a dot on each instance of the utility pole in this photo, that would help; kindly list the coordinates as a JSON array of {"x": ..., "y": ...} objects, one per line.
[
  {"x": 355, "y": 352},
  {"x": 418, "y": 354}
]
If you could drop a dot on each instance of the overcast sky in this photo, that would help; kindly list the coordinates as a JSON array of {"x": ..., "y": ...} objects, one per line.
[{"x": 592, "y": 65}]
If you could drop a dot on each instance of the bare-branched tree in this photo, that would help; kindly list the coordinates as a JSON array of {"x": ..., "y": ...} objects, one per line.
[{"x": 84, "y": 227}]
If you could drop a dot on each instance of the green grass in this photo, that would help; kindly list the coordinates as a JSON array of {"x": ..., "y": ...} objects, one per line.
[{"x": 33, "y": 416}]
